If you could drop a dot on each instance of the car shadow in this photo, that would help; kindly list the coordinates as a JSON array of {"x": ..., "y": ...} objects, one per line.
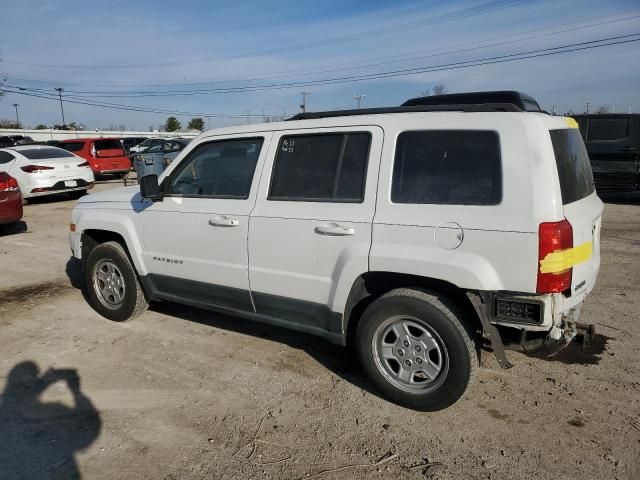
[
  {"x": 339, "y": 360},
  {"x": 631, "y": 198},
  {"x": 41, "y": 439},
  {"x": 576, "y": 354},
  {"x": 335, "y": 358},
  {"x": 14, "y": 229}
]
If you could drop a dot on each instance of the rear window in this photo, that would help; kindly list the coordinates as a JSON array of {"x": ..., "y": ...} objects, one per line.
[
  {"x": 45, "y": 153},
  {"x": 574, "y": 169},
  {"x": 72, "y": 146},
  {"x": 447, "y": 167},
  {"x": 602, "y": 129},
  {"x": 108, "y": 144}
]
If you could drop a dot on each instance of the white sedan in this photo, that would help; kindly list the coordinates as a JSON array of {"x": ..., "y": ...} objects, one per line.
[{"x": 44, "y": 170}]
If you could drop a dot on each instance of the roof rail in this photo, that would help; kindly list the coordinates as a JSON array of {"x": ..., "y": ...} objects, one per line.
[{"x": 483, "y": 107}]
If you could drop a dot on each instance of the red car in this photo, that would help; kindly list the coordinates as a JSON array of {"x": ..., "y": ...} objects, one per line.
[
  {"x": 10, "y": 202},
  {"x": 105, "y": 155}
]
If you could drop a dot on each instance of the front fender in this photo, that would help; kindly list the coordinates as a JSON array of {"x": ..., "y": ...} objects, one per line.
[{"x": 125, "y": 223}]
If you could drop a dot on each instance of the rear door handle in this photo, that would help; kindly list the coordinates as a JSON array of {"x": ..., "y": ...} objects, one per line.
[
  {"x": 334, "y": 230},
  {"x": 223, "y": 221}
]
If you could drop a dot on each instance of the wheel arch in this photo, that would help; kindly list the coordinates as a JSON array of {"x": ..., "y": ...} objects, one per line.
[{"x": 371, "y": 285}]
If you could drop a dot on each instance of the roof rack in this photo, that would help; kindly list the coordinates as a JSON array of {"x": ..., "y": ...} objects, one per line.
[
  {"x": 520, "y": 99},
  {"x": 482, "y": 107}
]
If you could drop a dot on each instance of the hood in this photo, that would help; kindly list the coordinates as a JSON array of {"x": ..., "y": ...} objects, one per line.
[{"x": 129, "y": 195}]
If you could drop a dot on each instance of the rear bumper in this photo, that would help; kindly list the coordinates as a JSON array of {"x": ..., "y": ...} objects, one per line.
[
  {"x": 10, "y": 207},
  {"x": 58, "y": 187}
]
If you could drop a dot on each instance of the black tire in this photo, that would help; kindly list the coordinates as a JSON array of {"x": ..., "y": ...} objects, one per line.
[
  {"x": 76, "y": 194},
  {"x": 456, "y": 349},
  {"x": 8, "y": 228},
  {"x": 133, "y": 301}
]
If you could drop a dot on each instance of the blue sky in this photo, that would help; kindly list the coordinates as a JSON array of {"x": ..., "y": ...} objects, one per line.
[{"x": 173, "y": 45}]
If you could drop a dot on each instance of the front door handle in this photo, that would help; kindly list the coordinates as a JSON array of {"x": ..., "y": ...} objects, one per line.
[
  {"x": 334, "y": 230},
  {"x": 223, "y": 221}
]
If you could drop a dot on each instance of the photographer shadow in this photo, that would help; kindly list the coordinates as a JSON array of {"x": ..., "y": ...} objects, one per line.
[{"x": 38, "y": 439}]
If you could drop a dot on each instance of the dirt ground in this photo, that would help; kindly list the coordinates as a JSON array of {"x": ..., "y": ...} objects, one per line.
[{"x": 187, "y": 394}]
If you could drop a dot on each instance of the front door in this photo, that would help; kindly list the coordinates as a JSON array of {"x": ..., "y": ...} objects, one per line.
[
  {"x": 310, "y": 232},
  {"x": 195, "y": 240}
]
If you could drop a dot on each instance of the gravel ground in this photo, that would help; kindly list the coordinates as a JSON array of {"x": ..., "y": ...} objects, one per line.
[{"x": 182, "y": 393}]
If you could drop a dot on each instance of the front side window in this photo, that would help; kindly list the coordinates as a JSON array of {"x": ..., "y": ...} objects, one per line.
[
  {"x": 447, "y": 167},
  {"x": 321, "y": 167},
  {"x": 221, "y": 169}
]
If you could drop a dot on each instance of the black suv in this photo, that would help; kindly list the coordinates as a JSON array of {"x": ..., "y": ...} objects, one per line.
[{"x": 613, "y": 144}]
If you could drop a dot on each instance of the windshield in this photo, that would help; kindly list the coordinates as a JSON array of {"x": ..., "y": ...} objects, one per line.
[
  {"x": 574, "y": 169},
  {"x": 45, "y": 153}
]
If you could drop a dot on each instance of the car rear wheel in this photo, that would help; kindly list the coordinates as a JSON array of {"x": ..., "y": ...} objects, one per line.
[
  {"x": 111, "y": 283},
  {"x": 416, "y": 350}
]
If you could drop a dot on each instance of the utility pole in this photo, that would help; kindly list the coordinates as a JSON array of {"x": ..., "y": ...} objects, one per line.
[
  {"x": 553, "y": 109},
  {"x": 16, "y": 105},
  {"x": 60, "y": 90},
  {"x": 303, "y": 105},
  {"x": 359, "y": 97},
  {"x": 587, "y": 105}
]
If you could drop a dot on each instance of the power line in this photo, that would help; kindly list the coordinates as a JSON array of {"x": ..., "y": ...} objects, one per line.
[
  {"x": 360, "y": 63},
  {"x": 615, "y": 40},
  {"x": 622, "y": 39},
  {"x": 444, "y": 18}
]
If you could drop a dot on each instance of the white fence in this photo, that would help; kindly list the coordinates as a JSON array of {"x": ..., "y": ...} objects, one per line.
[{"x": 49, "y": 134}]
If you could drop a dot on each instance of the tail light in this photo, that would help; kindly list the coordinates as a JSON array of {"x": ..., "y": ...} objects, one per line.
[
  {"x": 554, "y": 237},
  {"x": 35, "y": 168},
  {"x": 93, "y": 149},
  {"x": 83, "y": 164},
  {"x": 8, "y": 183}
]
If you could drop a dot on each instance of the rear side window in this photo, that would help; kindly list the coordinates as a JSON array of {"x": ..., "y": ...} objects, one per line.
[
  {"x": 108, "y": 145},
  {"x": 447, "y": 167},
  {"x": 5, "y": 157},
  {"x": 72, "y": 146},
  {"x": 574, "y": 169},
  {"x": 321, "y": 168},
  {"x": 603, "y": 129},
  {"x": 45, "y": 153}
]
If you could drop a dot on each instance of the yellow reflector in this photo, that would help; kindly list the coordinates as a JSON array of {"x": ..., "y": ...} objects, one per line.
[
  {"x": 562, "y": 260},
  {"x": 571, "y": 123}
]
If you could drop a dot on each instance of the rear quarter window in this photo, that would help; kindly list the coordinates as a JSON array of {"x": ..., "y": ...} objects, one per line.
[
  {"x": 72, "y": 146},
  {"x": 574, "y": 169},
  {"x": 447, "y": 167}
]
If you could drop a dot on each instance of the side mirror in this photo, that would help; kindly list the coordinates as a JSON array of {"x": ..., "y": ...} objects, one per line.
[{"x": 149, "y": 188}]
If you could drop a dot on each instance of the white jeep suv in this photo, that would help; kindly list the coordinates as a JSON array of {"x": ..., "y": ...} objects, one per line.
[{"x": 408, "y": 233}]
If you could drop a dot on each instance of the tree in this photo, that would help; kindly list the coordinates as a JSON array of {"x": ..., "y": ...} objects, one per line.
[
  {"x": 603, "y": 109},
  {"x": 9, "y": 124},
  {"x": 172, "y": 124},
  {"x": 40, "y": 126},
  {"x": 196, "y": 124},
  {"x": 438, "y": 89}
]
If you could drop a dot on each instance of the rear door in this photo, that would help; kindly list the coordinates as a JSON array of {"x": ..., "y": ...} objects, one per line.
[
  {"x": 581, "y": 206},
  {"x": 310, "y": 232}
]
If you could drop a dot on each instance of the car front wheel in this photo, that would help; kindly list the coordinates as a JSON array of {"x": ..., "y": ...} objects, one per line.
[
  {"x": 416, "y": 350},
  {"x": 111, "y": 283}
]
